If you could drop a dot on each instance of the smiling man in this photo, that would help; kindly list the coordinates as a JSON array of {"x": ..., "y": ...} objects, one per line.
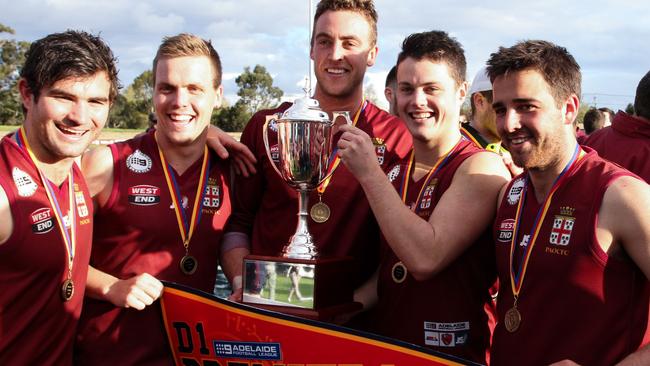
[
  {"x": 572, "y": 232},
  {"x": 264, "y": 213},
  {"x": 67, "y": 85},
  {"x": 434, "y": 211},
  {"x": 162, "y": 200}
]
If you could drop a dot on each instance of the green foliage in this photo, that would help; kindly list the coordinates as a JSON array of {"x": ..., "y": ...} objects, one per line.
[
  {"x": 132, "y": 107},
  {"x": 12, "y": 57},
  {"x": 256, "y": 92},
  {"x": 581, "y": 114},
  {"x": 629, "y": 109}
]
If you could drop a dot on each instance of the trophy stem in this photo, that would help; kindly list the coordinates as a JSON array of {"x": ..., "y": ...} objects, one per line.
[{"x": 301, "y": 244}]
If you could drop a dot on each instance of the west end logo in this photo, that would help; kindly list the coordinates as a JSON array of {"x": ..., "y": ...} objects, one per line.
[{"x": 144, "y": 195}]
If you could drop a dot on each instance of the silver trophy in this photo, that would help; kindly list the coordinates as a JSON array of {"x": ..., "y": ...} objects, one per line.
[
  {"x": 320, "y": 285},
  {"x": 304, "y": 149}
]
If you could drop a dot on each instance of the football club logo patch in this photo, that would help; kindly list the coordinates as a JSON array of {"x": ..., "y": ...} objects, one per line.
[
  {"x": 393, "y": 173},
  {"x": 446, "y": 334},
  {"x": 185, "y": 203},
  {"x": 515, "y": 191},
  {"x": 82, "y": 208},
  {"x": 41, "y": 220},
  {"x": 138, "y": 162},
  {"x": 212, "y": 196},
  {"x": 380, "y": 149},
  {"x": 24, "y": 182},
  {"x": 427, "y": 196},
  {"x": 562, "y": 226},
  {"x": 144, "y": 195},
  {"x": 506, "y": 228}
]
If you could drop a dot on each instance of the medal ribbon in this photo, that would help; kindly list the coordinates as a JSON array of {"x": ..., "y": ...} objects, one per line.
[
  {"x": 442, "y": 161},
  {"x": 469, "y": 136},
  {"x": 184, "y": 227},
  {"x": 69, "y": 238},
  {"x": 517, "y": 278},
  {"x": 336, "y": 158}
]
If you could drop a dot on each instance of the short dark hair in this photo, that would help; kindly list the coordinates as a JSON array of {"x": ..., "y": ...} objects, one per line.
[
  {"x": 607, "y": 110},
  {"x": 593, "y": 120},
  {"x": 556, "y": 65},
  {"x": 363, "y": 7},
  {"x": 436, "y": 46},
  {"x": 186, "y": 44},
  {"x": 391, "y": 78},
  {"x": 65, "y": 55},
  {"x": 642, "y": 98}
]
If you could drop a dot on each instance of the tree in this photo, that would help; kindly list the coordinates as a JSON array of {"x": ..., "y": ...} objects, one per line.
[
  {"x": 256, "y": 92},
  {"x": 12, "y": 57},
  {"x": 629, "y": 109},
  {"x": 132, "y": 107}
]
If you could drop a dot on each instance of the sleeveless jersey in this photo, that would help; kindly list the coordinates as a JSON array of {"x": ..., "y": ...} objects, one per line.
[
  {"x": 447, "y": 312},
  {"x": 265, "y": 207},
  {"x": 137, "y": 232},
  {"x": 576, "y": 302},
  {"x": 36, "y": 326}
]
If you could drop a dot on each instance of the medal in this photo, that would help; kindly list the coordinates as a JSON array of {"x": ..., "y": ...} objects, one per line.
[
  {"x": 320, "y": 212},
  {"x": 399, "y": 272},
  {"x": 512, "y": 319},
  {"x": 67, "y": 289},
  {"x": 188, "y": 264},
  {"x": 69, "y": 237}
]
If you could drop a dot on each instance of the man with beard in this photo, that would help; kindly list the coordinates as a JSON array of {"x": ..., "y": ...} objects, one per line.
[{"x": 572, "y": 232}]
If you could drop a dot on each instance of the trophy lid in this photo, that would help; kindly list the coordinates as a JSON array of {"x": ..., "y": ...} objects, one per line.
[{"x": 305, "y": 109}]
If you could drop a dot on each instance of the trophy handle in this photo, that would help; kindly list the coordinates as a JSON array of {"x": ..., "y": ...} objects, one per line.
[
  {"x": 344, "y": 114},
  {"x": 265, "y": 136}
]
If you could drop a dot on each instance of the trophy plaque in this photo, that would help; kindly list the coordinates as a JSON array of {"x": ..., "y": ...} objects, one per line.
[{"x": 299, "y": 281}]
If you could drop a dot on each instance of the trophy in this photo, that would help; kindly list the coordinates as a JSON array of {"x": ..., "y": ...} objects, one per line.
[{"x": 316, "y": 285}]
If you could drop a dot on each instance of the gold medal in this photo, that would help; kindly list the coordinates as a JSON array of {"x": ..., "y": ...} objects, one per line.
[
  {"x": 188, "y": 264},
  {"x": 399, "y": 272},
  {"x": 320, "y": 212},
  {"x": 512, "y": 319},
  {"x": 67, "y": 289}
]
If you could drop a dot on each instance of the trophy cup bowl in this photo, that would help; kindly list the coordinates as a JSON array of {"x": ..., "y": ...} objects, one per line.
[{"x": 304, "y": 135}]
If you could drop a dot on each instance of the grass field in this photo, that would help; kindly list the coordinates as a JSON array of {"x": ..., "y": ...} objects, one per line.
[{"x": 108, "y": 135}]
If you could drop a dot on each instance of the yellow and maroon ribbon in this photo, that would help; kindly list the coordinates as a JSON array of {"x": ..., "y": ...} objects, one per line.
[
  {"x": 336, "y": 158},
  {"x": 186, "y": 228},
  {"x": 517, "y": 278},
  {"x": 442, "y": 161},
  {"x": 69, "y": 238}
]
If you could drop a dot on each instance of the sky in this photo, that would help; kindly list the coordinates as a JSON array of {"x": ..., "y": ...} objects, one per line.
[{"x": 609, "y": 39}]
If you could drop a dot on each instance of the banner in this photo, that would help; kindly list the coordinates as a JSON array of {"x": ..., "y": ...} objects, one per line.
[{"x": 205, "y": 330}]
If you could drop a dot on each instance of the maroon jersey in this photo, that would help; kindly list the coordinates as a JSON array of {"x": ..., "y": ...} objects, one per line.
[
  {"x": 266, "y": 208},
  {"x": 36, "y": 326},
  {"x": 446, "y": 312},
  {"x": 576, "y": 302},
  {"x": 626, "y": 142},
  {"x": 137, "y": 232}
]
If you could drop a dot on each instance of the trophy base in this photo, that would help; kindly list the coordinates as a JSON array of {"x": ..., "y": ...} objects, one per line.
[{"x": 311, "y": 288}]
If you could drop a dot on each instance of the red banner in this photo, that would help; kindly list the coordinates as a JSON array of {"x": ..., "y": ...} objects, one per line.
[{"x": 205, "y": 330}]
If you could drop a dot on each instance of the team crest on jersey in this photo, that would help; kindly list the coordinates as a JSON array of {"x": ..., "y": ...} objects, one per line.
[
  {"x": 506, "y": 229},
  {"x": 80, "y": 200},
  {"x": 42, "y": 220},
  {"x": 393, "y": 173},
  {"x": 212, "y": 197},
  {"x": 24, "y": 182},
  {"x": 380, "y": 149},
  {"x": 446, "y": 334},
  {"x": 563, "y": 226},
  {"x": 273, "y": 123},
  {"x": 515, "y": 191},
  {"x": 144, "y": 195},
  {"x": 138, "y": 162},
  {"x": 427, "y": 196},
  {"x": 275, "y": 153}
]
